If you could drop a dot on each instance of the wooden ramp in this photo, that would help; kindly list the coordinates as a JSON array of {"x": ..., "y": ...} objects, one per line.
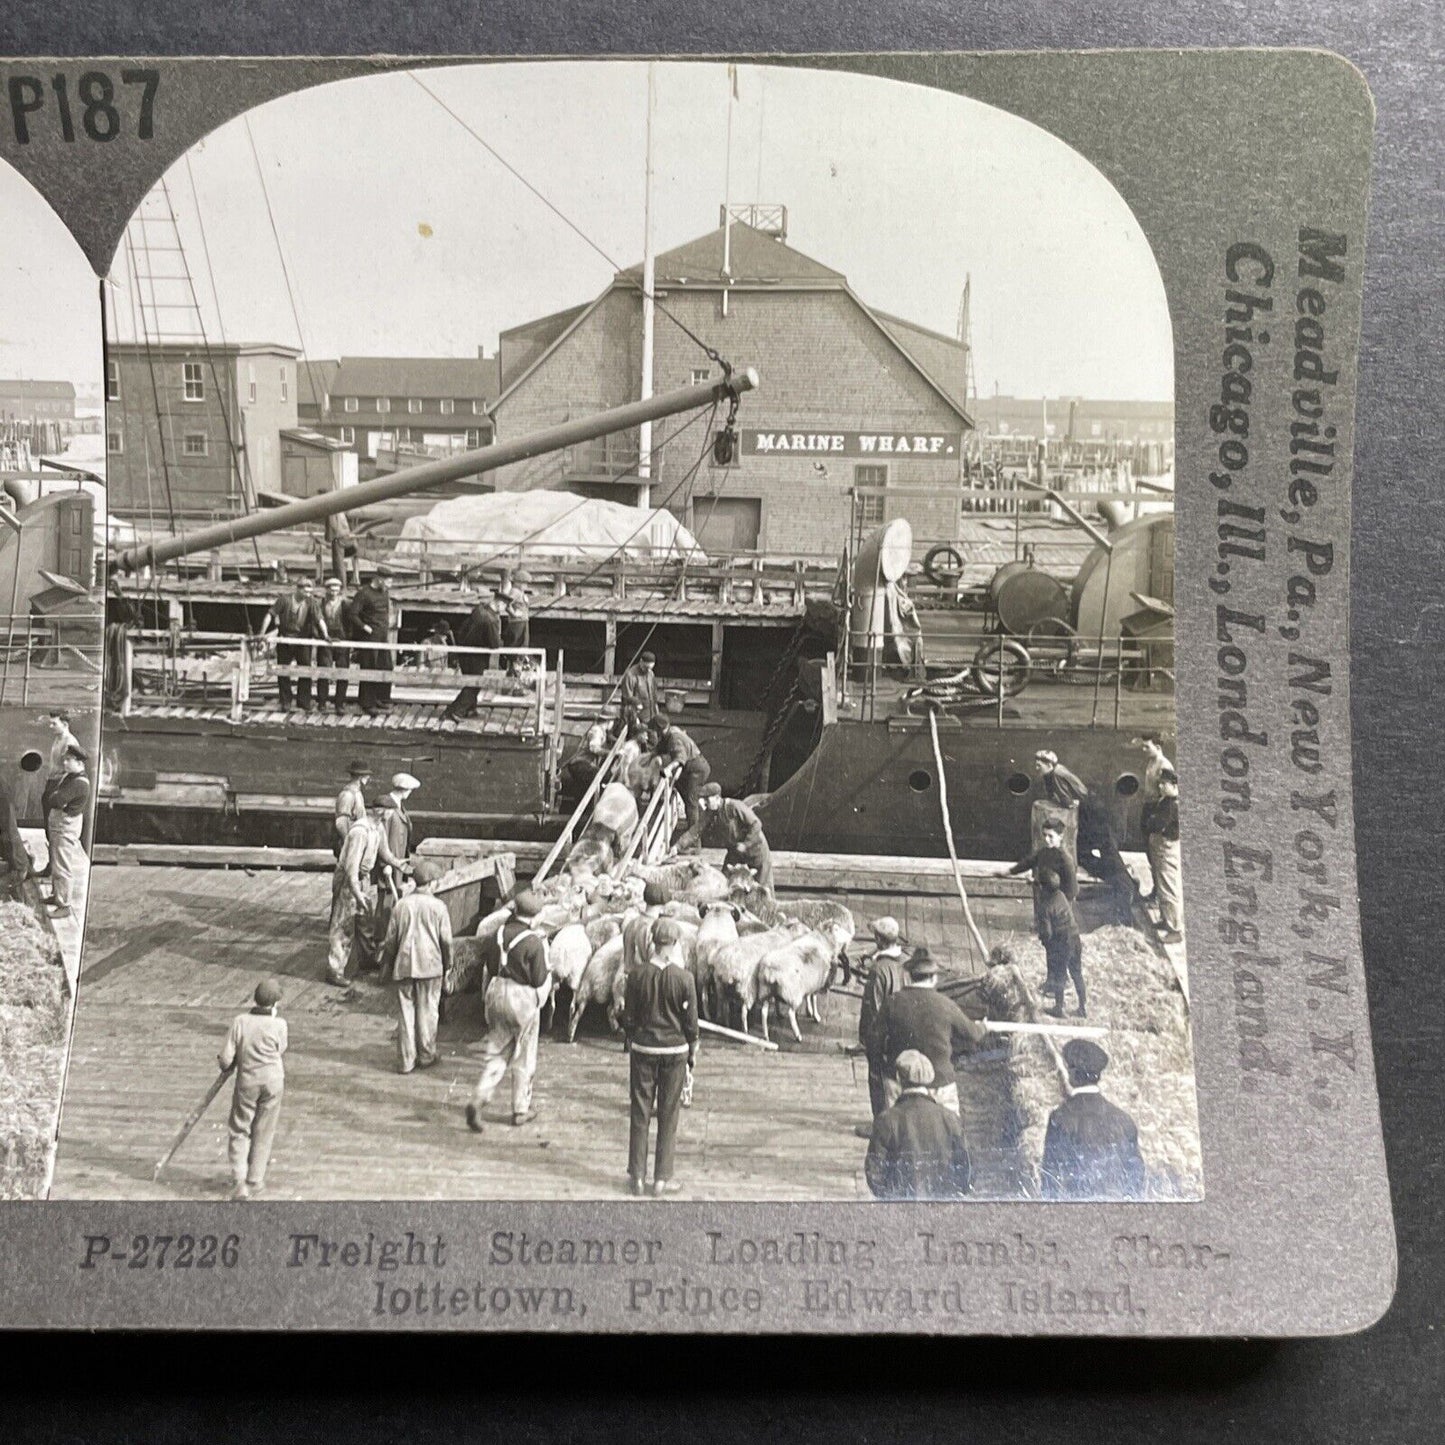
[{"x": 173, "y": 953}]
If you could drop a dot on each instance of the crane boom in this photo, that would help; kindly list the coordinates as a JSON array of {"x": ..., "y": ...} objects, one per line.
[{"x": 429, "y": 474}]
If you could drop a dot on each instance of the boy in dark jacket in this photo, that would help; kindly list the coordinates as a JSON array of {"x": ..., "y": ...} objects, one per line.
[
  {"x": 1053, "y": 857},
  {"x": 1063, "y": 947},
  {"x": 917, "y": 1149},
  {"x": 659, "y": 1020}
]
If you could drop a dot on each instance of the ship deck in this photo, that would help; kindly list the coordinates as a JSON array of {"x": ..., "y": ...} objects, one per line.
[{"x": 173, "y": 953}]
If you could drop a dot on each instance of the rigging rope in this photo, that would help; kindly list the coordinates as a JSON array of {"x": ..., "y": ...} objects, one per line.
[
  {"x": 948, "y": 834},
  {"x": 710, "y": 352}
]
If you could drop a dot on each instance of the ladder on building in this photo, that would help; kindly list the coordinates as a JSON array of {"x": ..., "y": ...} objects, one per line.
[{"x": 164, "y": 311}]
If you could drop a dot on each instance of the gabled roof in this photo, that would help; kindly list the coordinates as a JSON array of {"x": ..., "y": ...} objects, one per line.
[
  {"x": 435, "y": 377},
  {"x": 321, "y": 373},
  {"x": 757, "y": 259},
  {"x": 753, "y": 257}
]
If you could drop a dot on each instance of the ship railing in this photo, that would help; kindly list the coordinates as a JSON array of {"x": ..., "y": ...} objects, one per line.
[
  {"x": 56, "y": 659},
  {"x": 1115, "y": 681},
  {"x": 173, "y": 665}
]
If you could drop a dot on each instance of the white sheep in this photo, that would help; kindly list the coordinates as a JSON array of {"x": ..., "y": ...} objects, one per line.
[
  {"x": 735, "y": 968},
  {"x": 795, "y": 974}
]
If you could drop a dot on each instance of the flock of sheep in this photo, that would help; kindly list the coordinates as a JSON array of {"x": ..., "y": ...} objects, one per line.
[{"x": 747, "y": 952}]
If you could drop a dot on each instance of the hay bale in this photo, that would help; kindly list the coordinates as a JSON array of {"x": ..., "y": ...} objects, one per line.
[
  {"x": 1134, "y": 993},
  {"x": 34, "y": 1014}
]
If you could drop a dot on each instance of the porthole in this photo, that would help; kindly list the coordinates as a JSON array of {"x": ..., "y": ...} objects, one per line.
[
  {"x": 1019, "y": 784},
  {"x": 31, "y": 762},
  {"x": 1127, "y": 785},
  {"x": 920, "y": 780}
]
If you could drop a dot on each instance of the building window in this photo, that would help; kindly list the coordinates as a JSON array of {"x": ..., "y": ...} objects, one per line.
[
  {"x": 194, "y": 388},
  {"x": 413, "y": 405},
  {"x": 448, "y": 406},
  {"x": 870, "y": 508},
  {"x": 476, "y": 408},
  {"x": 403, "y": 434},
  {"x": 350, "y": 403},
  {"x": 700, "y": 375},
  {"x": 383, "y": 403},
  {"x": 114, "y": 443},
  {"x": 348, "y": 435},
  {"x": 474, "y": 438},
  {"x": 1096, "y": 428},
  {"x": 285, "y": 385},
  {"x": 195, "y": 444},
  {"x": 251, "y": 383},
  {"x": 112, "y": 381}
]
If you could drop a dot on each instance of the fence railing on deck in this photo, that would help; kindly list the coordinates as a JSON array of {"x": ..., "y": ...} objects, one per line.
[
  {"x": 169, "y": 666},
  {"x": 44, "y": 660}
]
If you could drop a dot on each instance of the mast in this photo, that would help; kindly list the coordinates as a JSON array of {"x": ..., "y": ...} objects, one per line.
[
  {"x": 446, "y": 469},
  {"x": 727, "y": 265},
  {"x": 649, "y": 276}
]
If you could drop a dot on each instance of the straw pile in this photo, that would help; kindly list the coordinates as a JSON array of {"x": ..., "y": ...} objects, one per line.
[
  {"x": 32, "y": 1048},
  {"x": 1133, "y": 992}
]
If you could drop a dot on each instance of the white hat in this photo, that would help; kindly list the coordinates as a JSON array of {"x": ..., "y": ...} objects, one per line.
[{"x": 405, "y": 780}]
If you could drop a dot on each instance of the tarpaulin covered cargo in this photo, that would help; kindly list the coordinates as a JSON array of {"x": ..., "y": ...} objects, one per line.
[{"x": 554, "y": 525}]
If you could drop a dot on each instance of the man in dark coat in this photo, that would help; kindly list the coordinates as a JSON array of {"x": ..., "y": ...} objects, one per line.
[
  {"x": 919, "y": 1017},
  {"x": 1098, "y": 846},
  {"x": 917, "y": 1149},
  {"x": 741, "y": 832},
  {"x": 1091, "y": 1149},
  {"x": 482, "y": 628},
  {"x": 639, "y": 691},
  {"x": 886, "y": 972},
  {"x": 370, "y": 621},
  {"x": 296, "y": 619}
]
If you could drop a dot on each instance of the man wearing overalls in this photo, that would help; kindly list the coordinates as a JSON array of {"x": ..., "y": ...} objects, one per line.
[{"x": 514, "y": 1002}]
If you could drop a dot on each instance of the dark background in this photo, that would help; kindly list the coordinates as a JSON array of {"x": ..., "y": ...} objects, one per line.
[{"x": 1384, "y": 1385}]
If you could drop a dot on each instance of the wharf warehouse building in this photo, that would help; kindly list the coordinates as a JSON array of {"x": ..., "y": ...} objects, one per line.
[{"x": 849, "y": 397}]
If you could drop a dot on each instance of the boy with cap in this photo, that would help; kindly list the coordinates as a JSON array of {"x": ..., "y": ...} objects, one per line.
[
  {"x": 253, "y": 1048},
  {"x": 1063, "y": 945},
  {"x": 885, "y": 974},
  {"x": 659, "y": 1022},
  {"x": 742, "y": 832},
  {"x": 416, "y": 952},
  {"x": 1098, "y": 846},
  {"x": 916, "y": 1148},
  {"x": 516, "y": 615},
  {"x": 1091, "y": 1147},
  {"x": 334, "y": 611},
  {"x": 513, "y": 1001},
  {"x": 919, "y": 1017},
  {"x": 482, "y": 628},
  {"x": 1161, "y": 843}
]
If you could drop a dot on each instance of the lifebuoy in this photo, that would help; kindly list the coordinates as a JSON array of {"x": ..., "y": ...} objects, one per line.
[
  {"x": 1002, "y": 665},
  {"x": 943, "y": 576}
]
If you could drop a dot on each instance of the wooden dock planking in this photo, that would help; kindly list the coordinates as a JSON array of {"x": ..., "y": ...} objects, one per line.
[{"x": 177, "y": 953}]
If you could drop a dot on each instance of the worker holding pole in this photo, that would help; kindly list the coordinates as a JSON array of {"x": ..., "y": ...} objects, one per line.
[{"x": 254, "y": 1049}]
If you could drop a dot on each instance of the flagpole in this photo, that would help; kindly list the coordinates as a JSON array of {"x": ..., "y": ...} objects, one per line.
[
  {"x": 649, "y": 276},
  {"x": 727, "y": 268}
]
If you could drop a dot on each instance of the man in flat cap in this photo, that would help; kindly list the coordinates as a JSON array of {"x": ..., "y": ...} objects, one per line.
[
  {"x": 350, "y": 803},
  {"x": 416, "y": 953},
  {"x": 917, "y": 1149},
  {"x": 886, "y": 973},
  {"x": 295, "y": 622},
  {"x": 351, "y": 931},
  {"x": 371, "y": 619},
  {"x": 335, "y": 619},
  {"x": 639, "y": 691},
  {"x": 739, "y": 829},
  {"x": 683, "y": 762},
  {"x": 1091, "y": 1149},
  {"x": 253, "y": 1048},
  {"x": 396, "y": 828},
  {"x": 1098, "y": 845},
  {"x": 514, "y": 1000},
  {"x": 482, "y": 628},
  {"x": 919, "y": 1017}
]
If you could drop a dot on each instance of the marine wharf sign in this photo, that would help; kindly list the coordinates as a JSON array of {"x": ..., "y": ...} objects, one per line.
[{"x": 940, "y": 445}]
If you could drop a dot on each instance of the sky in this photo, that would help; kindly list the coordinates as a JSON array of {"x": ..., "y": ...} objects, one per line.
[{"x": 401, "y": 234}]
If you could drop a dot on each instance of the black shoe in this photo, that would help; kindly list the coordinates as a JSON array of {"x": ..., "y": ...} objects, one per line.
[
  {"x": 526, "y": 1118},
  {"x": 427, "y": 1063},
  {"x": 636, "y": 1187},
  {"x": 474, "y": 1119}
]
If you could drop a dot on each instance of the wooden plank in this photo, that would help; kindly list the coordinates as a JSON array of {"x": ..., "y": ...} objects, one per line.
[{"x": 173, "y": 855}]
